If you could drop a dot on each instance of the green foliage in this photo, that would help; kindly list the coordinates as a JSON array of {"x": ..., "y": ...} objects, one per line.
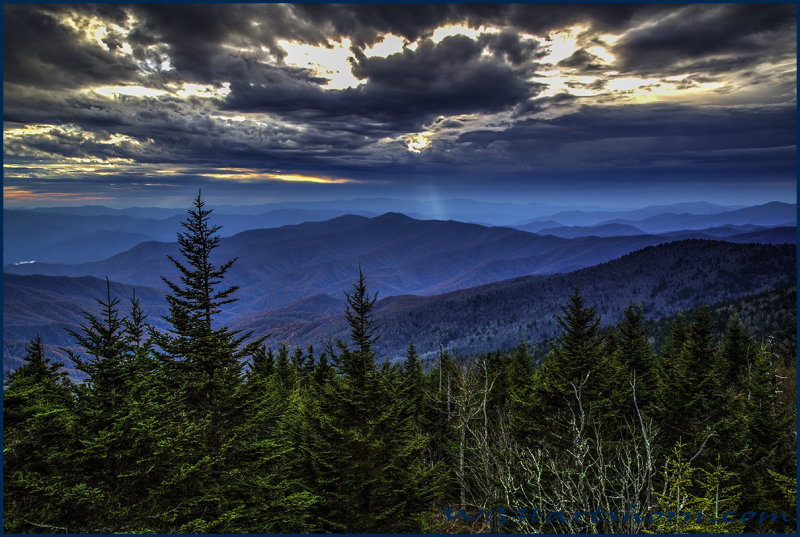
[
  {"x": 634, "y": 357},
  {"x": 697, "y": 504},
  {"x": 39, "y": 431},
  {"x": 577, "y": 364},
  {"x": 169, "y": 434}
]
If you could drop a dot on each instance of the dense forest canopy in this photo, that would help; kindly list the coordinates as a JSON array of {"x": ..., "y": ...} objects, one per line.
[{"x": 201, "y": 428}]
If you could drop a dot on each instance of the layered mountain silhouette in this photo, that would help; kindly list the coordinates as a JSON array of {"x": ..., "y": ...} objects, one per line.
[
  {"x": 664, "y": 279},
  {"x": 278, "y": 266},
  {"x": 51, "y": 234},
  {"x": 463, "y": 281}
]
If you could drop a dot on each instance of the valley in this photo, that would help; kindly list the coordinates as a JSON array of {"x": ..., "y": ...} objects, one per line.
[{"x": 467, "y": 287}]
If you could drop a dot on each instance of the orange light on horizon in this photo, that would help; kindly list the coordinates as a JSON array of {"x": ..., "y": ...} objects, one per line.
[
  {"x": 15, "y": 193},
  {"x": 246, "y": 175}
]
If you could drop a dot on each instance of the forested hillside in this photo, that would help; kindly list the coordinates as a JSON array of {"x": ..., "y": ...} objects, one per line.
[
  {"x": 48, "y": 306},
  {"x": 664, "y": 279},
  {"x": 199, "y": 428}
]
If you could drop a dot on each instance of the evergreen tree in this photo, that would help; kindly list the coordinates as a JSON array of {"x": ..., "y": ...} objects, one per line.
[
  {"x": 110, "y": 360},
  {"x": 201, "y": 360},
  {"x": 39, "y": 427},
  {"x": 672, "y": 390},
  {"x": 263, "y": 364},
  {"x": 697, "y": 504},
  {"x": 694, "y": 403},
  {"x": 576, "y": 367},
  {"x": 413, "y": 385},
  {"x": 736, "y": 352},
  {"x": 768, "y": 435},
  {"x": 634, "y": 357},
  {"x": 368, "y": 453},
  {"x": 576, "y": 355},
  {"x": 359, "y": 363}
]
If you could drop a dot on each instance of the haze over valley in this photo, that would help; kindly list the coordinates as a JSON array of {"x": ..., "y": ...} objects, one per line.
[{"x": 472, "y": 286}]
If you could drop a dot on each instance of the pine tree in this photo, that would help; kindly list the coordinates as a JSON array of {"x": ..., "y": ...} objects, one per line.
[
  {"x": 576, "y": 365},
  {"x": 367, "y": 451},
  {"x": 202, "y": 361},
  {"x": 672, "y": 390},
  {"x": 111, "y": 360},
  {"x": 736, "y": 352},
  {"x": 768, "y": 435},
  {"x": 694, "y": 403},
  {"x": 39, "y": 427},
  {"x": 358, "y": 363},
  {"x": 634, "y": 357},
  {"x": 413, "y": 385},
  {"x": 697, "y": 504}
]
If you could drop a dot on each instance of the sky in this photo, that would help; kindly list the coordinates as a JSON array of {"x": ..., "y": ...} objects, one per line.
[{"x": 585, "y": 104}]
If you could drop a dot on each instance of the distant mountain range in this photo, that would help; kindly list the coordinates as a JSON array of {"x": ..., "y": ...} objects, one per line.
[
  {"x": 292, "y": 277},
  {"x": 665, "y": 279},
  {"x": 54, "y": 236},
  {"x": 278, "y": 266},
  {"x": 665, "y": 219},
  {"x": 93, "y": 233}
]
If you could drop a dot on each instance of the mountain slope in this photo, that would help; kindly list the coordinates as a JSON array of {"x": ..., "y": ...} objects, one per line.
[
  {"x": 51, "y": 236},
  {"x": 278, "y": 266},
  {"x": 592, "y": 218},
  {"x": 770, "y": 214},
  {"x": 47, "y": 305},
  {"x": 665, "y": 279}
]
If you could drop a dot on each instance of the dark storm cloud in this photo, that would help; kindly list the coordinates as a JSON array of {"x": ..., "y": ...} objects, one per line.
[
  {"x": 541, "y": 19},
  {"x": 402, "y": 91},
  {"x": 473, "y": 98},
  {"x": 583, "y": 60},
  {"x": 653, "y": 138},
  {"x": 699, "y": 32},
  {"x": 195, "y": 35},
  {"x": 508, "y": 45},
  {"x": 41, "y": 51},
  {"x": 365, "y": 22}
]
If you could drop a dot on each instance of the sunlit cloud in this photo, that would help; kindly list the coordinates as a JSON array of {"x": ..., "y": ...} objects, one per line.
[
  {"x": 207, "y": 91},
  {"x": 460, "y": 29},
  {"x": 69, "y": 167},
  {"x": 331, "y": 62},
  {"x": 390, "y": 44},
  {"x": 250, "y": 175},
  {"x": 557, "y": 82},
  {"x": 601, "y": 53},
  {"x": 130, "y": 91},
  {"x": 184, "y": 90},
  {"x": 418, "y": 142},
  {"x": 561, "y": 45}
]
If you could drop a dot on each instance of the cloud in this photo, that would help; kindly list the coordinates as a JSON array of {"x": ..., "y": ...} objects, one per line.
[
  {"x": 709, "y": 37},
  {"x": 468, "y": 92},
  {"x": 400, "y": 92},
  {"x": 42, "y": 50}
]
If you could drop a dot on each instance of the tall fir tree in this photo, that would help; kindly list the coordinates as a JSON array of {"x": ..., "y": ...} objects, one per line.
[
  {"x": 635, "y": 358},
  {"x": 576, "y": 368},
  {"x": 737, "y": 352},
  {"x": 368, "y": 456},
  {"x": 770, "y": 444},
  {"x": 205, "y": 362},
  {"x": 110, "y": 361},
  {"x": 41, "y": 486}
]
